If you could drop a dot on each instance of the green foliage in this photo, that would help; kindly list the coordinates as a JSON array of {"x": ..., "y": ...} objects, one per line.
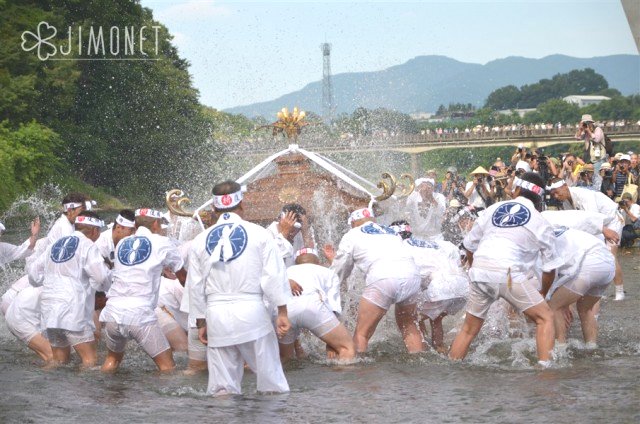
[
  {"x": 577, "y": 82},
  {"x": 27, "y": 158}
]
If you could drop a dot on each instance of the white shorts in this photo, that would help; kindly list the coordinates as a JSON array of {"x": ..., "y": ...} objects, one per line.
[
  {"x": 308, "y": 311},
  {"x": 521, "y": 296},
  {"x": 596, "y": 273},
  {"x": 433, "y": 310},
  {"x": 21, "y": 328},
  {"x": 150, "y": 337},
  {"x": 615, "y": 225},
  {"x": 386, "y": 292},
  {"x": 61, "y": 338},
  {"x": 166, "y": 321},
  {"x": 197, "y": 350}
]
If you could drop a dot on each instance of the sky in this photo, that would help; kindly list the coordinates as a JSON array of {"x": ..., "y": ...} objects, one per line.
[{"x": 246, "y": 52}]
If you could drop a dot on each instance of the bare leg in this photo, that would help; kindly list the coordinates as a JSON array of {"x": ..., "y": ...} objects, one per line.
[
  {"x": 618, "y": 277},
  {"x": 300, "y": 353},
  {"x": 177, "y": 338},
  {"x": 164, "y": 361},
  {"x": 340, "y": 341},
  {"x": 468, "y": 332},
  {"x": 88, "y": 353},
  {"x": 437, "y": 334},
  {"x": 287, "y": 351},
  {"x": 542, "y": 315},
  {"x": 423, "y": 327},
  {"x": 369, "y": 315},
  {"x": 406, "y": 319},
  {"x": 112, "y": 361},
  {"x": 61, "y": 355},
  {"x": 40, "y": 345},
  {"x": 560, "y": 300},
  {"x": 586, "y": 311},
  {"x": 194, "y": 366}
]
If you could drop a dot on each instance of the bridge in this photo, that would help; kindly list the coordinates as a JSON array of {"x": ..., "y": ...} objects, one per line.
[{"x": 415, "y": 144}]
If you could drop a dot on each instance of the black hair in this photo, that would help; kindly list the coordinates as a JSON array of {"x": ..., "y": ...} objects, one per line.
[
  {"x": 90, "y": 214},
  {"x": 75, "y": 198},
  {"x": 295, "y": 208},
  {"x": 226, "y": 187},
  {"x": 128, "y": 214},
  {"x": 536, "y": 179},
  {"x": 403, "y": 234}
]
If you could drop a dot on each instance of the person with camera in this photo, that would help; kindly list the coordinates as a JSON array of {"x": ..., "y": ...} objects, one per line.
[
  {"x": 570, "y": 169},
  {"x": 453, "y": 185},
  {"x": 593, "y": 137},
  {"x": 607, "y": 186},
  {"x": 588, "y": 179},
  {"x": 621, "y": 176},
  {"x": 631, "y": 213},
  {"x": 478, "y": 191}
]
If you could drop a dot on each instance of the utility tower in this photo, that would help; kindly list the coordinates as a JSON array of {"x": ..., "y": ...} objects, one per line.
[{"x": 328, "y": 107}]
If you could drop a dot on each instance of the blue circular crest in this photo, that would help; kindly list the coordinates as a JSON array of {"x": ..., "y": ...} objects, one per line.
[
  {"x": 134, "y": 250},
  {"x": 64, "y": 249},
  {"x": 238, "y": 239},
  {"x": 422, "y": 243},
  {"x": 511, "y": 214},
  {"x": 373, "y": 228}
]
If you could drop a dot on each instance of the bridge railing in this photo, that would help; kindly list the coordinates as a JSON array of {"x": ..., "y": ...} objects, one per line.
[{"x": 267, "y": 144}]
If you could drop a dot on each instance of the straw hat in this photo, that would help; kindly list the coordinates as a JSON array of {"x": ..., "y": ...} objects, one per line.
[{"x": 479, "y": 170}]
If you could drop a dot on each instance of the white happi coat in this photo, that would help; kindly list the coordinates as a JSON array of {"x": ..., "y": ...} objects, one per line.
[
  {"x": 426, "y": 223},
  {"x": 105, "y": 244},
  {"x": 508, "y": 237},
  {"x": 170, "y": 297},
  {"x": 70, "y": 271},
  {"x": 60, "y": 228},
  {"x": 139, "y": 261},
  {"x": 227, "y": 280},
  {"x": 11, "y": 293},
  {"x": 317, "y": 280},
  {"x": 376, "y": 251},
  {"x": 26, "y": 308},
  {"x": 595, "y": 201},
  {"x": 441, "y": 276},
  {"x": 587, "y": 221},
  {"x": 575, "y": 247},
  {"x": 10, "y": 252},
  {"x": 286, "y": 249}
]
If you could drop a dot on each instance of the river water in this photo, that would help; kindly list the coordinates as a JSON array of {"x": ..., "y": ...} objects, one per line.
[{"x": 496, "y": 383}]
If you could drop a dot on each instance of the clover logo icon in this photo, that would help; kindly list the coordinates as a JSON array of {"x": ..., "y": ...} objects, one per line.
[{"x": 40, "y": 41}]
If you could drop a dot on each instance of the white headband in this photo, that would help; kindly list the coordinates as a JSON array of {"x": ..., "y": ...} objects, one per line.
[
  {"x": 518, "y": 182},
  {"x": 360, "y": 214},
  {"x": 306, "y": 251},
  {"x": 88, "y": 205},
  {"x": 425, "y": 180},
  {"x": 401, "y": 228},
  {"x": 555, "y": 185},
  {"x": 125, "y": 222},
  {"x": 89, "y": 220},
  {"x": 227, "y": 201},
  {"x": 151, "y": 213},
  {"x": 71, "y": 205}
]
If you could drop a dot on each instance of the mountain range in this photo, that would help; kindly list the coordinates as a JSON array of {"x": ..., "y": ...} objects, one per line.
[{"x": 425, "y": 82}]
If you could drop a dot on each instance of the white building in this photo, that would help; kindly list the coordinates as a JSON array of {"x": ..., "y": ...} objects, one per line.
[{"x": 583, "y": 101}]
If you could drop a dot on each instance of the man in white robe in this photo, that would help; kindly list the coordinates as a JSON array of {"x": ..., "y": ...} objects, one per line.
[
  {"x": 317, "y": 308},
  {"x": 123, "y": 226},
  {"x": 10, "y": 252},
  {"x": 291, "y": 232},
  {"x": 425, "y": 210},
  {"x": 23, "y": 318},
  {"x": 503, "y": 248},
  {"x": 391, "y": 277},
  {"x": 133, "y": 296},
  {"x": 232, "y": 266},
  {"x": 580, "y": 198},
  {"x": 71, "y": 271}
]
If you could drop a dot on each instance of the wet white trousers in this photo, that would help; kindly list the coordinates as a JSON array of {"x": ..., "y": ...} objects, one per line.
[{"x": 226, "y": 366}]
